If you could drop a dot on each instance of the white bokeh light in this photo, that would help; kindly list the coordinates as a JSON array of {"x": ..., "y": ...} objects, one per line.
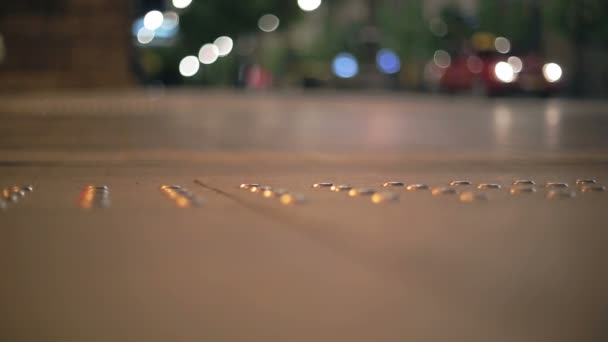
[
  {"x": 552, "y": 72},
  {"x": 309, "y": 5},
  {"x": 170, "y": 21},
  {"x": 144, "y": 36},
  {"x": 442, "y": 59},
  {"x": 189, "y": 66},
  {"x": 504, "y": 72},
  {"x": 516, "y": 63},
  {"x": 438, "y": 27},
  {"x": 224, "y": 45},
  {"x": 208, "y": 53},
  {"x": 153, "y": 20},
  {"x": 181, "y": 3},
  {"x": 268, "y": 22},
  {"x": 502, "y": 45}
]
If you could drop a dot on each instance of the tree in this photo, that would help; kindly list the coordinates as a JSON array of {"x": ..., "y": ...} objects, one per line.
[
  {"x": 204, "y": 21},
  {"x": 583, "y": 23}
]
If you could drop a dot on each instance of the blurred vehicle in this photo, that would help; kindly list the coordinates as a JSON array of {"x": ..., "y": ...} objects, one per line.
[
  {"x": 489, "y": 71},
  {"x": 539, "y": 76},
  {"x": 481, "y": 74},
  {"x": 495, "y": 74}
]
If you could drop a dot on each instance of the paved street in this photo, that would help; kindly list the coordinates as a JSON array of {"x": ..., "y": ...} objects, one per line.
[{"x": 211, "y": 261}]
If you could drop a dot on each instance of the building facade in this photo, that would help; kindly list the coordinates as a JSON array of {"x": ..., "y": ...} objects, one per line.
[{"x": 49, "y": 44}]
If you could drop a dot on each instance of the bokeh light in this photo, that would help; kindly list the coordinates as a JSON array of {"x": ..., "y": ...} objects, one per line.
[
  {"x": 208, "y": 53},
  {"x": 345, "y": 65},
  {"x": 224, "y": 45},
  {"x": 502, "y": 45},
  {"x": 268, "y": 22},
  {"x": 189, "y": 66},
  {"x": 181, "y": 3},
  {"x": 153, "y": 20},
  {"x": 309, "y": 5},
  {"x": 170, "y": 20},
  {"x": 504, "y": 72},
  {"x": 552, "y": 72},
  {"x": 442, "y": 59},
  {"x": 387, "y": 61},
  {"x": 144, "y": 36},
  {"x": 438, "y": 27},
  {"x": 516, "y": 63}
]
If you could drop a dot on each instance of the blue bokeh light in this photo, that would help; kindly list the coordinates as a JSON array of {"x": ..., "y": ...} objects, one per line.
[
  {"x": 345, "y": 65},
  {"x": 387, "y": 61}
]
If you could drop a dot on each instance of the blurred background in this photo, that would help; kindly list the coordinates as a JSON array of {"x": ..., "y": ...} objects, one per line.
[{"x": 489, "y": 47}]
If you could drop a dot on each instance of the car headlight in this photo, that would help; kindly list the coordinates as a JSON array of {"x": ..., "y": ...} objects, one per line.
[
  {"x": 504, "y": 72},
  {"x": 552, "y": 72}
]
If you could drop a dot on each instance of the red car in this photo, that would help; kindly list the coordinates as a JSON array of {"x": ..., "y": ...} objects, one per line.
[{"x": 491, "y": 73}]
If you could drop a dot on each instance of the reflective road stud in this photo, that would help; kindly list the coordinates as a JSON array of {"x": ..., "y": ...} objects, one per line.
[
  {"x": 470, "y": 196},
  {"x": 361, "y": 192},
  {"x": 593, "y": 188},
  {"x": 182, "y": 197},
  {"x": 488, "y": 186},
  {"x": 274, "y": 193},
  {"x": 339, "y": 188},
  {"x": 13, "y": 194},
  {"x": 387, "y": 184},
  {"x": 94, "y": 196},
  {"x": 443, "y": 191},
  {"x": 560, "y": 194},
  {"x": 460, "y": 183},
  {"x": 260, "y": 188},
  {"x": 523, "y": 182},
  {"x": 417, "y": 187},
  {"x": 384, "y": 197},
  {"x": 248, "y": 185},
  {"x": 518, "y": 190},
  {"x": 289, "y": 199},
  {"x": 323, "y": 185}
]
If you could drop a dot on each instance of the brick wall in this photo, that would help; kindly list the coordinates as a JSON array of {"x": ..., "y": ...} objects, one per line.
[{"x": 65, "y": 44}]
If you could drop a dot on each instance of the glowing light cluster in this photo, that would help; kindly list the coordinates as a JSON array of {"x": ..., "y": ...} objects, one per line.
[{"x": 155, "y": 25}]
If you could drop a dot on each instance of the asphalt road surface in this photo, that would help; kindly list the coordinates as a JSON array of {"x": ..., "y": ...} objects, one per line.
[{"x": 209, "y": 261}]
